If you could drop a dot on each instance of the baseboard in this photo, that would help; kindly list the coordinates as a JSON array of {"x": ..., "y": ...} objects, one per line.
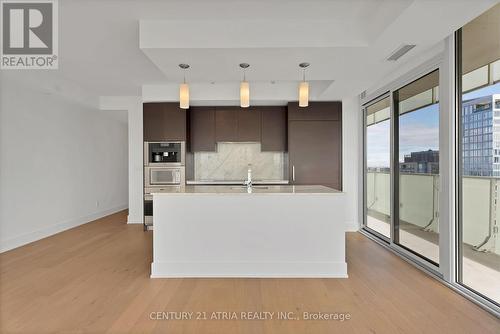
[
  {"x": 27, "y": 238},
  {"x": 134, "y": 221},
  {"x": 352, "y": 226},
  {"x": 249, "y": 269}
]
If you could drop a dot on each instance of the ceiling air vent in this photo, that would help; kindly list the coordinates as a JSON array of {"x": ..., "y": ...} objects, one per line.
[
  {"x": 362, "y": 95},
  {"x": 400, "y": 52}
]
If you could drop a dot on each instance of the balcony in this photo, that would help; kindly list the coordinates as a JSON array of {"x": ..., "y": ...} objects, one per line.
[{"x": 419, "y": 222}]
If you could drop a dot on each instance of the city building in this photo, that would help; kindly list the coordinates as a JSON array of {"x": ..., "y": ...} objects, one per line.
[
  {"x": 423, "y": 162},
  {"x": 481, "y": 148}
]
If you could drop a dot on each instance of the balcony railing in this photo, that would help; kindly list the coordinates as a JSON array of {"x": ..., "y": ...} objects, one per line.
[{"x": 419, "y": 205}]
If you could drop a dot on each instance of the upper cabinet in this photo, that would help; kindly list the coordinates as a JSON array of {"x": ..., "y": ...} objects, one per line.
[
  {"x": 209, "y": 125},
  {"x": 321, "y": 111},
  {"x": 201, "y": 129},
  {"x": 164, "y": 122},
  {"x": 273, "y": 129},
  {"x": 226, "y": 124},
  {"x": 234, "y": 124},
  {"x": 249, "y": 121}
]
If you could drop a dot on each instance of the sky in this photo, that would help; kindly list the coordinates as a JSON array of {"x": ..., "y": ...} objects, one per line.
[{"x": 418, "y": 131}]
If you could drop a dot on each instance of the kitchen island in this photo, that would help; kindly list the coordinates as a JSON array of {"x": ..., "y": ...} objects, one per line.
[{"x": 261, "y": 231}]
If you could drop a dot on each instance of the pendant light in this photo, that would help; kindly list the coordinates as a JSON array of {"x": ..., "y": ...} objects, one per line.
[
  {"x": 303, "y": 87},
  {"x": 244, "y": 88},
  {"x": 184, "y": 90}
]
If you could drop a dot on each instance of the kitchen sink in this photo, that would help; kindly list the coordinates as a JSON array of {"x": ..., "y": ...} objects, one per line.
[{"x": 253, "y": 187}]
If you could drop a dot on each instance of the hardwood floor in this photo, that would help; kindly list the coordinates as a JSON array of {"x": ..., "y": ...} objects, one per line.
[{"x": 95, "y": 279}]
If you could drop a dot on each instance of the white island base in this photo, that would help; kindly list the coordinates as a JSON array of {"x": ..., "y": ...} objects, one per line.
[{"x": 221, "y": 231}]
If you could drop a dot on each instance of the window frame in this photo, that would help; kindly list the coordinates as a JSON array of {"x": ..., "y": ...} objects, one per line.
[
  {"x": 458, "y": 261},
  {"x": 365, "y": 106}
]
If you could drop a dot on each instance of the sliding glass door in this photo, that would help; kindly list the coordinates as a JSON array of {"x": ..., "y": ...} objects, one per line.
[
  {"x": 378, "y": 167},
  {"x": 478, "y": 113},
  {"x": 403, "y": 176},
  {"x": 416, "y": 167}
]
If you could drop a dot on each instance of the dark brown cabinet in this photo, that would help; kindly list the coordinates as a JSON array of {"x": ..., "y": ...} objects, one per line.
[
  {"x": 209, "y": 125},
  {"x": 273, "y": 129},
  {"x": 249, "y": 122},
  {"x": 234, "y": 124},
  {"x": 315, "y": 145},
  {"x": 321, "y": 111},
  {"x": 163, "y": 121},
  {"x": 226, "y": 124},
  {"x": 201, "y": 129}
]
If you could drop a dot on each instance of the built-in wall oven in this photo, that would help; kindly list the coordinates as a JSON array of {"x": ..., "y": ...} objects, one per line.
[{"x": 164, "y": 154}]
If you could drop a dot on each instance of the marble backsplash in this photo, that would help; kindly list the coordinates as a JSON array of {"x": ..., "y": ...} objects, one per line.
[{"x": 231, "y": 160}]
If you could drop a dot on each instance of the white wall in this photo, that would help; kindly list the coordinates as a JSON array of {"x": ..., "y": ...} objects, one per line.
[
  {"x": 132, "y": 106},
  {"x": 62, "y": 163},
  {"x": 351, "y": 162}
]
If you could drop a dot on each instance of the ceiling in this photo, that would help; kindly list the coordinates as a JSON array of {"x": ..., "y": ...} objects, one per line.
[{"x": 114, "y": 47}]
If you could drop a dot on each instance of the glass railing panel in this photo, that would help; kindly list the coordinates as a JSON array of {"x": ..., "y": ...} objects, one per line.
[
  {"x": 378, "y": 202},
  {"x": 378, "y": 157}
]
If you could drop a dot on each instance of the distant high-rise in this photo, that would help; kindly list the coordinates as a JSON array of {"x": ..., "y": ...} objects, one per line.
[
  {"x": 423, "y": 162},
  {"x": 481, "y": 136}
]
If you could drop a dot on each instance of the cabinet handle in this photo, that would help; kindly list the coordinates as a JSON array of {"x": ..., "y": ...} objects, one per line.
[{"x": 293, "y": 172}]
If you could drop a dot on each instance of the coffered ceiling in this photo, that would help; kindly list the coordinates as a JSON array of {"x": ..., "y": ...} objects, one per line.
[{"x": 112, "y": 47}]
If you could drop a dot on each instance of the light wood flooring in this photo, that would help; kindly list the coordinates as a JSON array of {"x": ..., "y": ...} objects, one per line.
[{"x": 95, "y": 279}]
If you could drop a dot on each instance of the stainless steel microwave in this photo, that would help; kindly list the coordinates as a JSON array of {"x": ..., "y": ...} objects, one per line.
[
  {"x": 165, "y": 154},
  {"x": 163, "y": 176}
]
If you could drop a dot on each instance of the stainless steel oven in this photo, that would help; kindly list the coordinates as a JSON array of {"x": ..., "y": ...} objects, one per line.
[
  {"x": 165, "y": 154},
  {"x": 155, "y": 177}
]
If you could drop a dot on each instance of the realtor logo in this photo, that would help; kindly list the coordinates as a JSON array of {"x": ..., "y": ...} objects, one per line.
[{"x": 29, "y": 34}]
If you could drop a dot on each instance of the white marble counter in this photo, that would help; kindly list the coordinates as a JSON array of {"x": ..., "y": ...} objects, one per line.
[
  {"x": 234, "y": 182},
  {"x": 243, "y": 190}
]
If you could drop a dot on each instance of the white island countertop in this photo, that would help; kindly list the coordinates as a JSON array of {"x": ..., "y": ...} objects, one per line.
[
  {"x": 234, "y": 182},
  {"x": 225, "y": 231},
  {"x": 243, "y": 190}
]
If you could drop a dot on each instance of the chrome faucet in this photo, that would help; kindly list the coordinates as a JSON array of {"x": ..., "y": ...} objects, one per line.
[{"x": 248, "y": 181}]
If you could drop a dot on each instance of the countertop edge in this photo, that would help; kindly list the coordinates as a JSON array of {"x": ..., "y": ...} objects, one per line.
[
  {"x": 248, "y": 194},
  {"x": 262, "y": 182}
]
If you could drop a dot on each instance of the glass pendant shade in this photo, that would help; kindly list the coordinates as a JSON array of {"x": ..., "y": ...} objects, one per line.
[
  {"x": 244, "y": 94},
  {"x": 303, "y": 94},
  {"x": 184, "y": 96}
]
